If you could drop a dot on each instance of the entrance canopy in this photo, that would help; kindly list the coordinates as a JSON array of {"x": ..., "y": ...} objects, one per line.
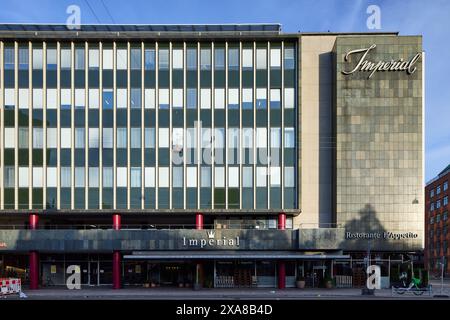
[{"x": 266, "y": 255}]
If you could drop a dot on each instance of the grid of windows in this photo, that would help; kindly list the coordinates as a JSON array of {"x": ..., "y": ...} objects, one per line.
[{"x": 160, "y": 92}]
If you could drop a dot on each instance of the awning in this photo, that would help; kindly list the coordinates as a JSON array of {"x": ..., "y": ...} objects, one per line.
[{"x": 266, "y": 255}]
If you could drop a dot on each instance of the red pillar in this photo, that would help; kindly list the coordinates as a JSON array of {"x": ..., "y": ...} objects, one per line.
[
  {"x": 34, "y": 256},
  {"x": 116, "y": 256},
  {"x": 199, "y": 221},
  {"x": 281, "y": 264},
  {"x": 281, "y": 275},
  {"x": 281, "y": 221}
]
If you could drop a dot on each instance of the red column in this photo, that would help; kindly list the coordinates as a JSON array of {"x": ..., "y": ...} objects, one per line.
[
  {"x": 117, "y": 222},
  {"x": 281, "y": 264},
  {"x": 34, "y": 256},
  {"x": 199, "y": 221},
  {"x": 281, "y": 275},
  {"x": 116, "y": 256},
  {"x": 281, "y": 221}
]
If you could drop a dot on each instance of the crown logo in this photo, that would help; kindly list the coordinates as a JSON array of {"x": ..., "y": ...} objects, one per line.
[{"x": 211, "y": 234}]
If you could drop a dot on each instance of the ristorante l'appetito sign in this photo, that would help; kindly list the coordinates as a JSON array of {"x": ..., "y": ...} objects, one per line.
[{"x": 366, "y": 65}]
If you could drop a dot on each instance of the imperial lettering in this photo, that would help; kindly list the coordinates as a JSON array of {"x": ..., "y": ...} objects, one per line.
[
  {"x": 366, "y": 65},
  {"x": 221, "y": 242}
]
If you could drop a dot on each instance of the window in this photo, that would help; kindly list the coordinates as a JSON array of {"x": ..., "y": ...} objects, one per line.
[
  {"x": 79, "y": 177},
  {"x": 261, "y": 176},
  {"x": 135, "y": 177},
  {"x": 219, "y": 59},
  {"x": 149, "y": 137},
  {"x": 219, "y": 177},
  {"x": 432, "y": 193},
  {"x": 233, "y": 59},
  {"x": 163, "y": 59},
  {"x": 52, "y": 141},
  {"x": 247, "y": 177},
  {"x": 93, "y": 177},
  {"x": 191, "y": 57},
  {"x": 438, "y": 190},
  {"x": 135, "y": 137},
  {"x": 247, "y": 137},
  {"x": 261, "y": 137},
  {"x": 107, "y": 138},
  {"x": 289, "y": 177},
  {"x": 163, "y": 137},
  {"x": 445, "y": 201},
  {"x": 135, "y": 98},
  {"x": 191, "y": 98},
  {"x": 438, "y": 204},
  {"x": 205, "y": 59},
  {"x": 289, "y": 138},
  {"x": 247, "y": 59},
  {"x": 66, "y": 138},
  {"x": 23, "y": 58},
  {"x": 191, "y": 175},
  {"x": 261, "y": 98},
  {"x": 65, "y": 99},
  {"x": 9, "y": 58},
  {"x": 275, "y": 99},
  {"x": 445, "y": 216},
  {"x": 432, "y": 206},
  {"x": 445, "y": 186},
  {"x": 23, "y": 177},
  {"x": 79, "y": 98},
  {"x": 9, "y": 177},
  {"x": 205, "y": 98},
  {"x": 93, "y": 138},
  {"x": 177, "y": 177},
  {"x": 66, "y": 59},
  {"x": 163, "y": 173},
  {"x": 37, "y": 138},
  {"x": 219, "y": 137},
  {"x": 164, "y": 98},
  {"x": 37, "y": 99},
  {"x": 135, "y": 59},
  {"x": 79, "y": 138},
  {"x": 107, "y": 177},
  {"x": 122, "y": 59},
  {"x": 51, "y": 59},
  {"x": 121, "y": 138},
  {"x": 275, "y": 176},
  {"x": 65, "y": 177},
  {"x": 121, "y": 177},
  {"x": 23, "y": 137},
  {"x": 93, "y": 98},
  {"x": 219, "y": 98},
  {"x": 233, "y": 137},
  {"x": 233, "y": 98},
  {"x": 108, "y": 99},
  {"x": 233, "y": 177},
  {"x": 149, "y": 177},
  {"x": 177, "y": 139},
  {"x": 247, "y": 98},
  {"x": 289, "y": 98},
  {"x": 149, "y": 59},
  {"x": 37, "y": 178},
  {"x": 9, "y": 99},
  {"x": 10, "y": 138},
  {"x": 37, "y": 59},
  {"x": 275, "y": 137},
  {"x": 205, "y": 176},
  {"x": 438, "y": 219},
  {"x": 122, "y": 98},
  {"x": 51, "y": 177},
  {"x": 261, "y": 59},
  {"x": 23, "y": 98},
  {"x": 149, "y": 96},
  {"x": 177, "y": 56},
  {"x": 177, "y": 98},
  {"x": 79, "y": 59},
  {"x": 51, "y": 99},
  {"x": 93, "y": 59},
  {"x": 107, "y": 59},
  {"x": 275, "y": 58},
  {"x": 289, "y": 58}
]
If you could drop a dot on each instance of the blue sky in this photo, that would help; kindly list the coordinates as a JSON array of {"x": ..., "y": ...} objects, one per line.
[{"x": 413, "y": 17}]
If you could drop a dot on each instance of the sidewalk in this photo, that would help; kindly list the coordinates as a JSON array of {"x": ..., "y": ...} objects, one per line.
[{"x": 208, "y": 294}]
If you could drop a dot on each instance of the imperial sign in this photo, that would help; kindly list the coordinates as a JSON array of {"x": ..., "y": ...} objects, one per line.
[{"x": 372, "y": 66}]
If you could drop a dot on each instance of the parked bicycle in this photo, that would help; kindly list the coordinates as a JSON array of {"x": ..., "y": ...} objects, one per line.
[{"x": 414, "y": 286}]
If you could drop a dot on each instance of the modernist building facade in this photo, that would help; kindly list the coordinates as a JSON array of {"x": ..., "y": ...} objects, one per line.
[
  {"x": 231, "y": 155},
  {"x": 436, "y": 222}
]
